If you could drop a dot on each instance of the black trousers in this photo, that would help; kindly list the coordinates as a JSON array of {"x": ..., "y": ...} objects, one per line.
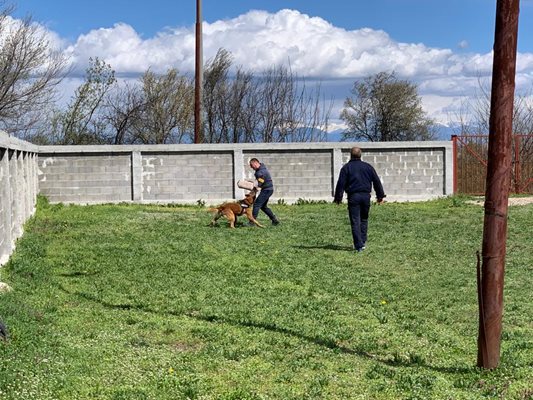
[
  {"x": 261, "y": 203},
  {"x": 358, "y": 210}
]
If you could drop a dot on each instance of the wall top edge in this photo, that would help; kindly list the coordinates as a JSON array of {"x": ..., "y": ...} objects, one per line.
[
  {"x": 228, "y": 147},
  {"x": 12, "y": 143}
]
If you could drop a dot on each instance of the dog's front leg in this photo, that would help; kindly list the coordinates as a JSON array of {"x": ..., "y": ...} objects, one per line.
[{"x": 252, "y": 219}]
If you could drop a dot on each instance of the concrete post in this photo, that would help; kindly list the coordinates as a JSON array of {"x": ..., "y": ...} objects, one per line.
[
  {"x": 35, "y": 180},
  {"x": 448, "y": 171},
  {"x": 27, "y": 192},
  {"x": 336, "y": 164},
  {"x": 31, "y": 182},
  {"x": 238, "y": 173},
  {"x": 21, "y": 198},
  {"x": 15, "y": 201},
  {"x": 136, "y": 176},
  {"x": 7, "y": 201},
  {"x": 3, "y": 207}
]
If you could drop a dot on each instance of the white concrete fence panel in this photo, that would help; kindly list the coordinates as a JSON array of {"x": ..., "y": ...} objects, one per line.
[{"x": 18, "y": 190}]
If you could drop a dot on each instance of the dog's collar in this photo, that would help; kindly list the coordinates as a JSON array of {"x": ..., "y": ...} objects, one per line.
[{"x": 244, "y": 204}]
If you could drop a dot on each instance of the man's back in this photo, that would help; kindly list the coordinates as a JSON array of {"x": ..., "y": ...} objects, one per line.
[{"x": 358, "y": 177}]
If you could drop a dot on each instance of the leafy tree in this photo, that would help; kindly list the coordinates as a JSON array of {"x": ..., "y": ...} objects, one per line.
[
  {"x": 216, "y": 97},
  {"x": 29, "y": 71},
  {"x": 81, "y": 123},
  {"x": 385, "y": 108}
]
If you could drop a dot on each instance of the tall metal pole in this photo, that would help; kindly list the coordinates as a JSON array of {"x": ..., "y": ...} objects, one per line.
[
  {"x": 198, "y": 76},
  {"x": 498, "y": 183}
]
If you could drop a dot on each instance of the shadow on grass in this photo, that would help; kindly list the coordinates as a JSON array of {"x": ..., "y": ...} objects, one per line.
[
  {"x": 325, "y": 247},
  {"x": 77, "y": 273},
  {"x": 271, "y": 327}
]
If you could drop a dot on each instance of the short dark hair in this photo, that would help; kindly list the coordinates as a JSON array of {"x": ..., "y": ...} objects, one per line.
[
  {"x": 355, "y": 153},
  {"x": 254, "y": 160}
]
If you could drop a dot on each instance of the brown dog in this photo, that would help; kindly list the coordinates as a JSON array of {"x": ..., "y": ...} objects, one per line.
[{"x": 232, "y": 210}]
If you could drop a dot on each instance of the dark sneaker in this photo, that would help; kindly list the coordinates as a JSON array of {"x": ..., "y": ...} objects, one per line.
[{"x": 275, "y": 222}]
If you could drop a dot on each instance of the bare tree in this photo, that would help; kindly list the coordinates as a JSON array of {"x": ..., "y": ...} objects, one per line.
[
  {"x": 475, "y": 111},
  {"x": 230, "y": 103},
  {"x": 276, "y": 91},
  {"x": 29, "y": 71},
  {"x": 123, "y": 111},
  {"x": 275, "y": 107},
  {"x": 248, "y": 114},
  {"x": 242, "y": 116},
  {"x": 474, "y": 120},
  {"x": 385, "y": 108},
  {"x": 289, "y": 111}
]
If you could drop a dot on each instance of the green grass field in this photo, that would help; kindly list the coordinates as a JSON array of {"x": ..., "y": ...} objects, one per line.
[{"x": 149, "y": 302}]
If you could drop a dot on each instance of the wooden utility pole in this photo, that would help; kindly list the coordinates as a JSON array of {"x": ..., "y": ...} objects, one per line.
[
  {"x": 490, "y": 290},
  {"x": 198, "y": 76}
]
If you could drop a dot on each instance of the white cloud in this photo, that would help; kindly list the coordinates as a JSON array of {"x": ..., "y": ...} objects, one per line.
[
  {"x": 463, "y": 44},
  {"x": 259, "y": 40},
  {"x": 11, "y": 24},
  {"x": 314, "y": 47}
]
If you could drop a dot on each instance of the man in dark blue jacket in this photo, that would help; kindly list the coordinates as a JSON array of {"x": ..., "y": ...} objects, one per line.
[
  {"x": 356, "y": 179},
  {"x": 264, "y": 182}
]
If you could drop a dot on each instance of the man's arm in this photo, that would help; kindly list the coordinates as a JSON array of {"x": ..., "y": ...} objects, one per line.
[
  {"x": 339, "y": 189},
  {"x": 378, "y": 187},
  {"x": 259, "y": 178}
]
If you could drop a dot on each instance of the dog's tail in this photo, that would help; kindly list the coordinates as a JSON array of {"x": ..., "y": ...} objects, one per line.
[{"x": 213, "y": 209}]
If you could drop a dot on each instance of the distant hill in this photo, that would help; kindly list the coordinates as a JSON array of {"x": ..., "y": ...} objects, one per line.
[
  {"x": 334, "y": 136},
  {"x": 444, "y": 132}
]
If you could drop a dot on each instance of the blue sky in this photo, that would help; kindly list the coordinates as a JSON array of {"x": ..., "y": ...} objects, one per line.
[
  {"x": 435, "y": 23},
  {"x": 444, "y": 46}
]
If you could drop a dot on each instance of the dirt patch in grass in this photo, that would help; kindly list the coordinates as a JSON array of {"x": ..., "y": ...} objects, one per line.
[{"x": 513, "y": 201}]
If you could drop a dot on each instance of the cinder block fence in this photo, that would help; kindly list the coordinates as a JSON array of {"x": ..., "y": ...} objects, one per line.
[
  {"x": 208, "y": 172},
  {"x": 205, "y": 172}
]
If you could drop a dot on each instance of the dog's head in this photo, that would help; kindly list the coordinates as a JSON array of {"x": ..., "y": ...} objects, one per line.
[{"x": 250, "y": 197}]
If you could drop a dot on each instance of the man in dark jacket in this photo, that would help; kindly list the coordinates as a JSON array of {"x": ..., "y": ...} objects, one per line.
[
  {"x": 356, "y": 179},
  {"x": 264, "y": 182}
]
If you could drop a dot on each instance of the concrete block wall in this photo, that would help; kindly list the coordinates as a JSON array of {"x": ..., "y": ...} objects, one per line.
[
  {"x": 208, "y": 172},
  {"x": 86, "y": 177},
  {"x": 417, "y": 173},
  {"x": 186, "y": 177},
  {"x": 306, "y": 174},
  {"x": 18, "y": 190}
]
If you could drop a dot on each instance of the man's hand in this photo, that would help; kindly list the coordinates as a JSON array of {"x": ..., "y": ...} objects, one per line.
[{"x": 380, "y": 201}]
